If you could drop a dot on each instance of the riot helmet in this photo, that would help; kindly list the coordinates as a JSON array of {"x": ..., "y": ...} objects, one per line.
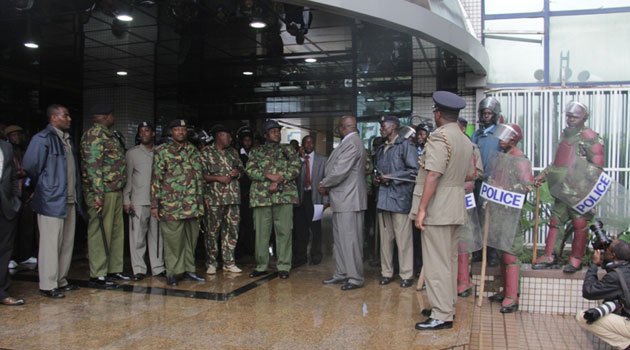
[
  {"x": 508, "y": 132},
  {"x": 576, "y": 109},
  {"x": 493, "y": 105}
]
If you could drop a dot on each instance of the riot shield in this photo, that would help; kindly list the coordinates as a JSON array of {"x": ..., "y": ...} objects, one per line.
[
  {"x": 590, "y": 191},
  {"x": 470, "y": 237},
  {"x": 504, "y": 194}
]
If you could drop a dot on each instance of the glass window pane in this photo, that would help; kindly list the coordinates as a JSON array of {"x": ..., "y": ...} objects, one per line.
[
  {"x": 515, "y": 57},
  {"x": 592, "y": 48},
  {"x": 493, "y": 7},
  {"x": 566, "y": 5}
]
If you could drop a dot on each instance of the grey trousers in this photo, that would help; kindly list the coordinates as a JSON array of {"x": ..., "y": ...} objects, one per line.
[
  {"x": 439, "y": 254},
  {"x": 56, "y": 240},
  {"x": 348, "y": 242},
  {"x": 143, "y": 234},
  {"x": 396, "y": 226}
]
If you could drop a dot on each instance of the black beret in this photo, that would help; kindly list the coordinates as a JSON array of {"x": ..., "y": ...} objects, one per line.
[
  {"x": 220, "y": 128},
  {"x": 462, "y": 121},
  {"x": 448, "y": 101},
  {"x": 101, "y": 109},
  {"x": 391, "y": 119},
  {"x": 271, "y": 124},
  {"x": 177, "y": 122},
  {"x": 146, "y": 124}
]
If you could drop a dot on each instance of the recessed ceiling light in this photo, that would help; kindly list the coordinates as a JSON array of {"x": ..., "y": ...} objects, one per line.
[
  {"x": 257, "y": 24},
  {"x": 31, "y": 44},
  {"x": 310, "y": 60},
  {"x": 122, "y": 73},
  {"x": 124, "y": 17},
  {"x": 248, "y": 73}
]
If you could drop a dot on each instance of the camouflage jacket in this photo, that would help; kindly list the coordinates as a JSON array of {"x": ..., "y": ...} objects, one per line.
[
  {"x": 103, "y": 157},
  {"x": 273, "y": 158},
  {"x": 220, "y": 163},
  {"x": 176, "y": 182}
]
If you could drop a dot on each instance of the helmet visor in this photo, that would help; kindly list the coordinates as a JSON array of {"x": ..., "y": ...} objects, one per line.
[{"x": 505, "y": 132}]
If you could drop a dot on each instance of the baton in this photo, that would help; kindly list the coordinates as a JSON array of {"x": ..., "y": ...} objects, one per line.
[
  {"x": 484, "y": 256},
  {"x": 536, "y": 224},
  {"x": 420, "y": 280},
  {"x": 100, "y": 221},
  {"x": 398, "y": 179}
]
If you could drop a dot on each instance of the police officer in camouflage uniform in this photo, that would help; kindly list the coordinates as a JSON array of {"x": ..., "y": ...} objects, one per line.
[
  {"x": 577, "y": 140},
  {"x": 273, "y": 168},
  {"x": 104, "y": 176},
  {"x": 221, "y": 170},
  {"x": 177, "y": 201}
]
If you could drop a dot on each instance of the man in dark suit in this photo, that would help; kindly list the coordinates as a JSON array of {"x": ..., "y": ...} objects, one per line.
[
  {"x": 344, "y": 181},
  {"x": 311, "y": 174},
  {"x": 9, "y": 206}
]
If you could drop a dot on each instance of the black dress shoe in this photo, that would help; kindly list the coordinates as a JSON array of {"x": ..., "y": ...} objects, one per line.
[
  {"x": 139, "y": 277},
  {"x": 171, "y": 280},
  {"x": 406, "y": 283},
  {"x": 161, "y": 274},
  {"x": 118, "y": 276},
  {"x": 509, "y": 309},
  {"x": 257, "y": 273},
  {"x": 497, "y": 298},
  {"x": 426, "y": 312},
  {"x": 101, "y": 282},
  {"x": 283, "y": 274},
  {"x": 333, "y": 280},
  {"x": 385, "y": 281},
  {"x": 11, "y": 301},
  {"x": 465, "y": 294},
  {"x": 68, "y": 288},
  {"x": 350, "y": 286},
  {"x": 53, "y": 293},
  {"x": 190, "y": 276},
  {"x": 433, "y": 325}
]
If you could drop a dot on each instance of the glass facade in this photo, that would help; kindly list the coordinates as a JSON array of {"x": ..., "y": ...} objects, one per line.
[{"x": 557, "y": 42}]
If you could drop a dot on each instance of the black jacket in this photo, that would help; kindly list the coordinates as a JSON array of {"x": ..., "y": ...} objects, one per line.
[{"x": 608, "y": 288}]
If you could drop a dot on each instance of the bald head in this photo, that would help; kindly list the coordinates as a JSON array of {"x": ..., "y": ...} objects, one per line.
[{"x": 347, "y": 124}]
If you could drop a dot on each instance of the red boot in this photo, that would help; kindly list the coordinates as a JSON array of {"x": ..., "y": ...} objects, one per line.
[
  {"x": 510, "y": 302},
  {"x": 464, "y": 287},
  {"x": 580, "y": 234}
]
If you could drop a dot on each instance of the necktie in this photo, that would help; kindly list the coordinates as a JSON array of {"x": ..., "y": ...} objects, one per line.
[{"x": 308, "y": 172}]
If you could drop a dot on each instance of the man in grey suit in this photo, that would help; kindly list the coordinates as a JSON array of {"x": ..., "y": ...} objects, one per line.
[
  {"x": 344, "y": 181},
  {"x": 311, "y": 174},
  {"x": 9, "y": 206}
]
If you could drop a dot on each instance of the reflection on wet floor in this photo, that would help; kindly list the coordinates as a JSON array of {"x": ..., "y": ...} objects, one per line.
[{"x": 226, "y": 312}]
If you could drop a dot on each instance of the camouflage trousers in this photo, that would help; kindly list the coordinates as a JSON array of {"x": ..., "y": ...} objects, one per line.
[
  {"x": 564, "y": 214},
  {"x": 223, "y": 219}
]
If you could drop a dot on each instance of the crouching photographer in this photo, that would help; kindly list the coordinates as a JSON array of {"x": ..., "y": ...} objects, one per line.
[{"x": 609, "y": 321}]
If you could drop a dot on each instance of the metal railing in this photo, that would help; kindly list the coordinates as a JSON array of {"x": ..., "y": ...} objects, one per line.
[{"x": 540, "y": 113}]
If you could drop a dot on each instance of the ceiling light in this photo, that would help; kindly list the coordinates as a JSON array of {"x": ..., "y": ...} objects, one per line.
[
  {"x": 257, "y": 24},
  {"x": 31, "y": 44},
  {"x": 122, "y": 73},
  {"x": 310, "y": 60},
  {"x": 248, "y": 73},
  {"x": 125, "y": 17},
  {"x": 370, "y": 100}
]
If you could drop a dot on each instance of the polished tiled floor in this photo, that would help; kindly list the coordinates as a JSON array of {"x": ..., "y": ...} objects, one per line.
[
  {"x": 227, "y": 312},
  {"x": 235, "y": 312}
]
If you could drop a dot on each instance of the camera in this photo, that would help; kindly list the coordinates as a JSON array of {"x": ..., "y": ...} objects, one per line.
[
  {"x": 594, "y": 314},
  {"x": 601, "y": 240}
]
